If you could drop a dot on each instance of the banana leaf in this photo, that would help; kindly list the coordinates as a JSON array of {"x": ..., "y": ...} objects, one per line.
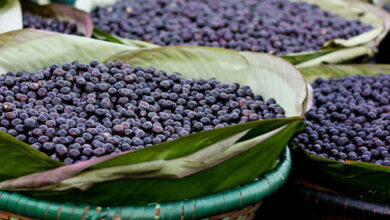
[
  {"x": 198, "y": 164},
  {"x": 10, "y": 9},
  {"x": 379, "y": 3},
  {"x": 333, "y": 52},
  {"x": 100, "y": 34},
  {"x": 61, "y": 12},
  {"x": 356, "y": 179},
  {"x": 21, "y": 44}
]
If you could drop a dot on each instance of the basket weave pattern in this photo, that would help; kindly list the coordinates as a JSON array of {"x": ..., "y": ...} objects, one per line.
[{"x": 9, "y": 216}]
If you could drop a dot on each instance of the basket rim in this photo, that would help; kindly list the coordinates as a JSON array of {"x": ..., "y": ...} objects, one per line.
[{"x": 193, "y": 208}]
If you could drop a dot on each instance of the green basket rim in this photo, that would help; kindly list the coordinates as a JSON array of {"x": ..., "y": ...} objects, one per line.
[{"x": 195, "y": 208}]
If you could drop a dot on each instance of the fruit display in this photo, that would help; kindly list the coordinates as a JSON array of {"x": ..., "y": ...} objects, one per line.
[
  {"x": 171, "y": 116},
  {"x": 272, "y": 26},
  {"x": 74, "y": 112},
  {"x": 349, "y": 120},
  {"x": 49, "y": 24},
  {"x": 193, "y": 109},
  {"x": 303, "y": 32}
]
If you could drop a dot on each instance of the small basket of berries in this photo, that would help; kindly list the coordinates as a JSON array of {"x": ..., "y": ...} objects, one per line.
[{"x": 345, "y": 146}]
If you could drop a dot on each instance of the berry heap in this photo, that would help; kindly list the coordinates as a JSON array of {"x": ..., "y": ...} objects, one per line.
[
  {"x": 77, "y": 111},
  {"x": 37, "y": 22},
  {"x": 350, "y": 120},
  {"x": 273, "y": 26},
  {"x": 387, "y": 7}
]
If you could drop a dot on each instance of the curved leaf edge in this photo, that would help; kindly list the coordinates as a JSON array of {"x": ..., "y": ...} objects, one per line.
[
  {"x": 310, "y": 73},
  {"x": 108, "y": 161},
  {"x": 28, "y": 149},
  {"x": 342, "y": 178},
  {"x": 101, "y": 34},
  {"x": 10, "y": 16},
  {"x": 348, "y": 163},
  {"x": 165, "y": 145},
  {"x": 63, "y": 12},
  {"x": 174, "y": 186}
]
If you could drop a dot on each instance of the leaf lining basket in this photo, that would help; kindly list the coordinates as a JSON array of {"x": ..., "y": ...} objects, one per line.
[{"x": 241, "y": 202}]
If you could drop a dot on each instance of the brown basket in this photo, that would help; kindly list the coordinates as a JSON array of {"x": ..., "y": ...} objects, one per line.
[{"x": 247, "y": 213}]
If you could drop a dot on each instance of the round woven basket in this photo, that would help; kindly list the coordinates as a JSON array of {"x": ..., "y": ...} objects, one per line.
[
  {"x": 325, "y": 204},
  {"x": 239, "y": 203}
]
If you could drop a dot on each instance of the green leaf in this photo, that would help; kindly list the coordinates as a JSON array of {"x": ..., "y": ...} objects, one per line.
[
  {"x": 171, "y": 150},
  {"x": 144, "y": 191},
  {"x": 357, "y": 179},
  {"x": 169, "y": 159},
  {"x": 62, "y": 12},
  {"x": 334, "y": 51},
  {"x": 198, "y": 164},
  {"x": 100, "y": 34},
  {"x": 299, "y": 58},
  {"x": 20, "y": 159},
  {"x": 339, "y": 56},
  {"x": 337, "y": 71},
  {"x": 10, "y": 16},
  {"x": 37, "y": 48}
]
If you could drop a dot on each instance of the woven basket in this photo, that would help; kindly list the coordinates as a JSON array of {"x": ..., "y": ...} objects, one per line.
[
  {"x": 239, "y": 203},
  {"x": 326, "y": 204}
]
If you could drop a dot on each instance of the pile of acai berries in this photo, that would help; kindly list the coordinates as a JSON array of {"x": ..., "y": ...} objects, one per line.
[
  {"x": 271, "y": 26},
  {"x": 350, "y": 119},
  {"x": 76, "y": 112},
  {"x": 49, "y": 24}
]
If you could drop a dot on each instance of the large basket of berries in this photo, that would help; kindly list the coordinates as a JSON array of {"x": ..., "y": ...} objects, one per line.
[
  {"x": 151, "y": 126},
  {"x": 345, "y": 146},
  {"x": 304, "y": 32}
]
